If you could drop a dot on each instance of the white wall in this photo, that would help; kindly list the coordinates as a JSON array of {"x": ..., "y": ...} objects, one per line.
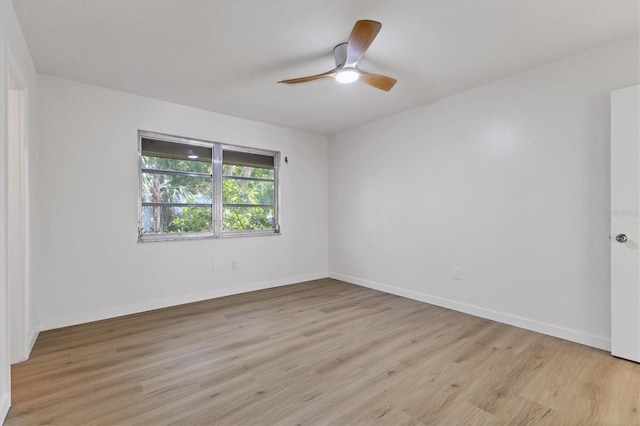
[
  {"x": 92, "y": 266},
  {"x": 15, "y": 59},
  {"x": 509, "y": 181}
]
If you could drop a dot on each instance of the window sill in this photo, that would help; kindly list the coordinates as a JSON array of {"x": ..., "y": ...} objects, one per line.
[{"x": 189, "y": 237}]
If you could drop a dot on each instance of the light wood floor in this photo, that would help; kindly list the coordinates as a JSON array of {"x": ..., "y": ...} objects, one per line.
[{"x": 323, "y": 352}]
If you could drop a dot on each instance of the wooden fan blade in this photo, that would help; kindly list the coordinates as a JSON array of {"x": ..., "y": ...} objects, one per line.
[
  {"x": 377, "y": 80},
  {"x": 331, "y": 73},
  {"x": 362, "y": 35}
]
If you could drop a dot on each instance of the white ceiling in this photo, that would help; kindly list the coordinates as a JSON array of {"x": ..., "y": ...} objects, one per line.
[{"x": 226, "y": 55}]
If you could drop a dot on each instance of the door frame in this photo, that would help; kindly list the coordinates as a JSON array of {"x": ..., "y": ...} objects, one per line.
[{"x": 18, "y": 216}]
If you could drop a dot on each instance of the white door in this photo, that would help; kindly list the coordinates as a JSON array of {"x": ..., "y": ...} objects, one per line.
[{"x": 625, "y": 223}]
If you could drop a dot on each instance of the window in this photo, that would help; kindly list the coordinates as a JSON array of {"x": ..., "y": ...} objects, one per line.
[
  {"x": 198, "y": 189},
  {"x": 248, "y": 191}
]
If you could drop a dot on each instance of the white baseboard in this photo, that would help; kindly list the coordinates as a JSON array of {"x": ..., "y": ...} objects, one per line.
[
  {"x": 32, "y": 341},
  {"x": 27, "y": 349},
  {"x": 134, "y": 308},
  {"x": 529, "y": 324},
  {"x": 5, "y": 404}
]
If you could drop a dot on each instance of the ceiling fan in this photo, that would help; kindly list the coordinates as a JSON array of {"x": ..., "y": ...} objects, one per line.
[{"x": 347, "y": 56}]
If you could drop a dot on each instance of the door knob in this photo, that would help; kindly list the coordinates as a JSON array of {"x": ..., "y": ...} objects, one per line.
[{"x": 621, "y": 238}]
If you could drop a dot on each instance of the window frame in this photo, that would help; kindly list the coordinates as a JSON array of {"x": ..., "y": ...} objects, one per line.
[{"x": 216, "y": 196}]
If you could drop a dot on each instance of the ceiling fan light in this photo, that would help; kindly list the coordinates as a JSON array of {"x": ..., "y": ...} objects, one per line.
[{"x": 347, "y": 75}]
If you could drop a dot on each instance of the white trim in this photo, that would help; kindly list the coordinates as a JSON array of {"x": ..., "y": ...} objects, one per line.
[
  {"x": 5, "y": 369},
  {"x": 526, "y": 323},
  {"x": 22, "y": 257},
  {"x": 134, "y": 308},
  {"x": 32, "y": 342},
  {"x": 5, "y": 404}
]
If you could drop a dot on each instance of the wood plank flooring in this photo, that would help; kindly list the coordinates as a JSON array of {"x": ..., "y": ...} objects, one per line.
[{"x": 322, "y": 352}]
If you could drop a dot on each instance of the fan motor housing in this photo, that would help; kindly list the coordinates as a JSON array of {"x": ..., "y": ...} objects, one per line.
[{"x": 340, "y": 54}]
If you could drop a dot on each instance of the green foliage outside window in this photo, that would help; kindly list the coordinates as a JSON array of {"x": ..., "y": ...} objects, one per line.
[
  {"x": 176, "y": 189},
  {"x": 240, "y": 191},
  {"x": 169, "y": 188}
]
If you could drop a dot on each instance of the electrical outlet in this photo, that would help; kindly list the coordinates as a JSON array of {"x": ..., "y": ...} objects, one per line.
[
  {"x": 235, "y": 265},
  {"x": 456, "y": 273},
  {"x": 214, "y": 266}
]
